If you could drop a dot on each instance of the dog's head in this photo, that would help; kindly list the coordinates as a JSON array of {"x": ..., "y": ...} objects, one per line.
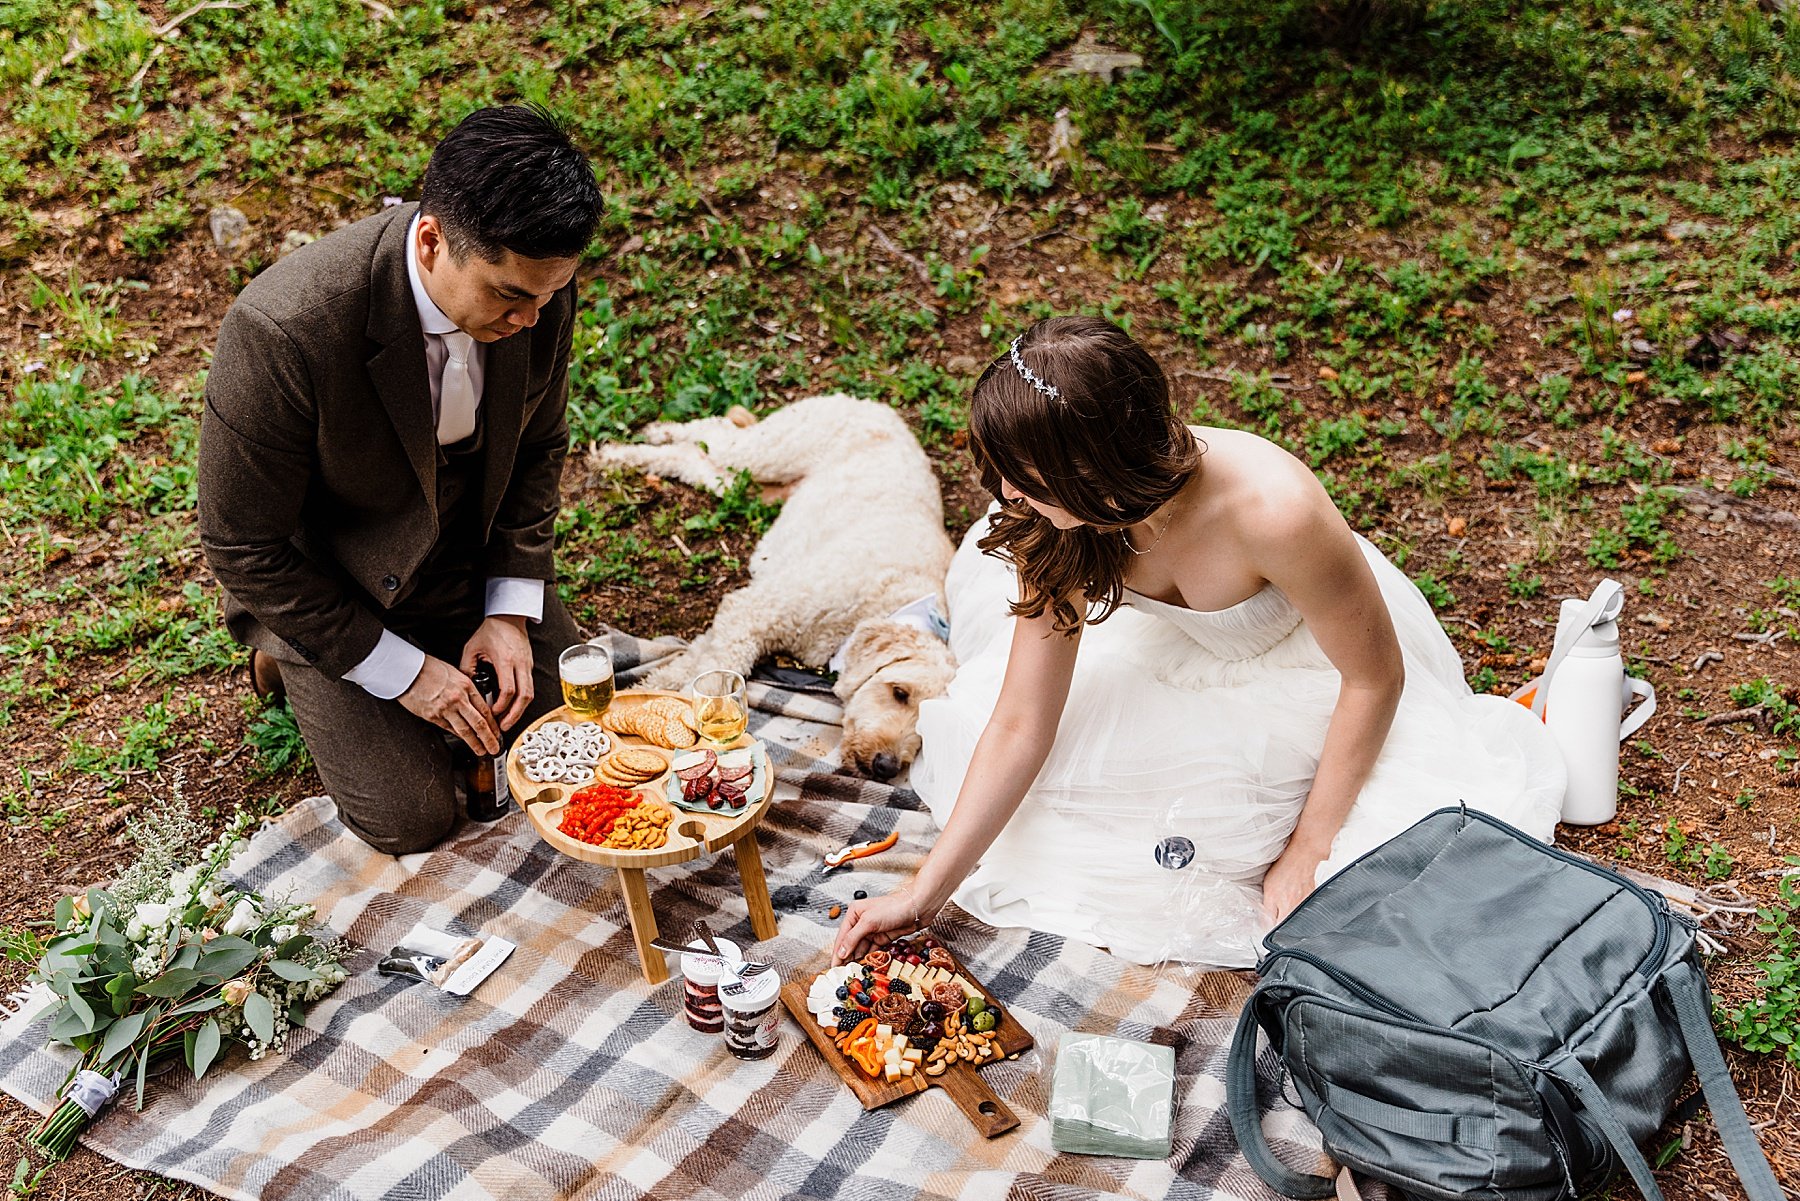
[{"x": 889, "y": 669}]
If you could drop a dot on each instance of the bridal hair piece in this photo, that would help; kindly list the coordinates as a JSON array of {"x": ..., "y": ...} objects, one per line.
[
  {"x": 1103, "y": 443},
  {"x": 1028, "y": 375}
]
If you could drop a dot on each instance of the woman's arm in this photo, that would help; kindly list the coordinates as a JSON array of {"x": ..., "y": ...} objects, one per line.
[
  {"x": 1007, "y": 759},
  {"x": 1308, "y": 552}
]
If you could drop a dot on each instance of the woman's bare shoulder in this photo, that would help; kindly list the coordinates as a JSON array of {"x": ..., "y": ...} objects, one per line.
[{"x": 1248, "y": 470}]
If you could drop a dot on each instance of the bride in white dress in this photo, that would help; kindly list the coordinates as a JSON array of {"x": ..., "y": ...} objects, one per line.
[{"x": 1187, "y": 691}]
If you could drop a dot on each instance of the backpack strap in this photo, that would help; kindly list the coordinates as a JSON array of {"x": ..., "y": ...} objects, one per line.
[
  {"x": 1596, "y": 1106},
  {"x": 1687, "y": 988},
  {"x": 1246, "y": 1119}
]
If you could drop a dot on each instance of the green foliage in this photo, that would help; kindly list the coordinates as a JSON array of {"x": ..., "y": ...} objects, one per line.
[
  {"x": 1772, "y": 1021},
  {"x": 740, "y": 507},
  {"x": 275, "y": 737},
  {"x": 1435, "y": 591}
]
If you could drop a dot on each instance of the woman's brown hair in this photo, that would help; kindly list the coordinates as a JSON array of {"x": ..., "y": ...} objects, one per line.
[{"x": 1092, "y": 431}]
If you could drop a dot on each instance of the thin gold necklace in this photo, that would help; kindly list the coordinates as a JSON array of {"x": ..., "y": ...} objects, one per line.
[{"x": 1126, "y": 532}]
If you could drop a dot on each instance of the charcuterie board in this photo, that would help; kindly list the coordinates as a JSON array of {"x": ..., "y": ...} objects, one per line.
[
  {"x": 958, "y": 1077},
  {"x": 690, "y": 834}
]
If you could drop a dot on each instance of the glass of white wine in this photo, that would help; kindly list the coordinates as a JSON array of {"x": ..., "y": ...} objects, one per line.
[
  {"x": 720, "y": 706},
  {"x": 587, "y": 680}
]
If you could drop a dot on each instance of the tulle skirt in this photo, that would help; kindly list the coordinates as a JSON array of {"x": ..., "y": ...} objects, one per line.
[{"x": 1180, "y": 769}]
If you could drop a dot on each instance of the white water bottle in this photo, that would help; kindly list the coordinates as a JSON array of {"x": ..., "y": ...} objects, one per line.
[{"x": 1585, "y": 697}]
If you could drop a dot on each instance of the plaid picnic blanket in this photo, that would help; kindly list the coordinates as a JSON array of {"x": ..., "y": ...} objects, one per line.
[{"x": 565, "y": 1075}]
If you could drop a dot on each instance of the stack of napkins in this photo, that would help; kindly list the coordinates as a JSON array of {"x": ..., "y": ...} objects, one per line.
[{"x": 1112, "y": 1096}]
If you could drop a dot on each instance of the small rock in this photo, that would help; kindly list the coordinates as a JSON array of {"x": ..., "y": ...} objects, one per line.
[
  {"x": 230, "y": 229},
  {"x": 1687, "y": 229},
  {"x": 753, "y": 12},
  {"x": 1654, "y": 619},
  {"x": 294, "y": 239},
  {"x": 1456, "y": 527},
  {"x": 1089, "y": 57},
  {"x": 962, "y": 364}
]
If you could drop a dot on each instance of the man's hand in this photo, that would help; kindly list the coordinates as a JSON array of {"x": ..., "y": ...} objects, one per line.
[
  {"x": 1290, "y": 879},
  {"x": 502, "y": 641},
  {"x": 446, "y": 697}
]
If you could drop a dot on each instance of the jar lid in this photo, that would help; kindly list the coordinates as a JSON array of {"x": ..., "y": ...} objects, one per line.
[
  {"x": 752, "y": 994},
  {"x": 700, "y": 966}
]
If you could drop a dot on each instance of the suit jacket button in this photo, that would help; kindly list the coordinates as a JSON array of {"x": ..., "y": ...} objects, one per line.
[{"x": 391, "y": 583}]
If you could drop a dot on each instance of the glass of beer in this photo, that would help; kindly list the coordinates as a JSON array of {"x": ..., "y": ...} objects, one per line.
[
  {"x": 587, "y": 680},
  {"x": 720, "y": 706}
]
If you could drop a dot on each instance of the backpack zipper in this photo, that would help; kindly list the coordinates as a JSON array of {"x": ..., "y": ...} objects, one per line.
[
  {"x": 1361, "y": 991},
  {"x": 1656, "y": 903}
]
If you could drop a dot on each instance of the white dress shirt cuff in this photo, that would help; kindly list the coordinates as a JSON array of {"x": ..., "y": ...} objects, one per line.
[
  {"x": 511, "y": 596},
  {"x": 389, "y": 669}
]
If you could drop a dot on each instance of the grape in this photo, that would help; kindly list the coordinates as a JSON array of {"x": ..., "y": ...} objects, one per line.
[
  {"x": 931, "y": 1011},
  {"x": 843, "y": 992},
  {"x": 932, "y": 1031}
]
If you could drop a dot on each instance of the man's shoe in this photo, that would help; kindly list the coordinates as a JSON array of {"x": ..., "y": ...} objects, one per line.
[{"x": 265, "y": 678}]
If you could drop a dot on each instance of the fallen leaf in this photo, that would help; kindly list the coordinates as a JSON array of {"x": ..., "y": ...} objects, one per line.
[{"x": 1327, "y": 373}]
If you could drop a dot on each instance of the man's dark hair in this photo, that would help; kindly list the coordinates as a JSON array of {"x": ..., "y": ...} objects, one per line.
[{"x": 509, "y": 178}]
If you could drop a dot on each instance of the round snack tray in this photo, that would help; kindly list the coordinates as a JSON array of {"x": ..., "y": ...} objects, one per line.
[{"x": 691, "y": 834}]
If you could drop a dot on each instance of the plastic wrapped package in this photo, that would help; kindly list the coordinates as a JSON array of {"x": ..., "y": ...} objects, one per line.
[{"x": 1112, "y": 1096}]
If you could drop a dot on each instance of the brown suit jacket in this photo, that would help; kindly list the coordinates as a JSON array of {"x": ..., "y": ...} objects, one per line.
[{"x": 318, "y": 453}]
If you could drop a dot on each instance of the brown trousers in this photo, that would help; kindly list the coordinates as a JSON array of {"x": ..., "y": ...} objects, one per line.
[{"x": 389, "y": 771}]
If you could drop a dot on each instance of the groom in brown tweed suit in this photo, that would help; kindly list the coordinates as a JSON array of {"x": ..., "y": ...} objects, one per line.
[{"x": 380, "y": 457}]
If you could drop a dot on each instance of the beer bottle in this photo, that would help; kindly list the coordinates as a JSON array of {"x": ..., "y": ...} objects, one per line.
[{"x": 484, "y": 777}]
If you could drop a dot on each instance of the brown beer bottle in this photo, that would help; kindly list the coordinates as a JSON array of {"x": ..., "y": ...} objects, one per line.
[{"x": 484, "y": 786}]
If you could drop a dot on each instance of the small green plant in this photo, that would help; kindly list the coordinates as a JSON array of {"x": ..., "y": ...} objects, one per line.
[
  {"x": 740, "y": 507},
  {"x": 1771, "y": 1022},
  {"x": 1435, "y": 591},
  {"x": 1520, "y": 586},
  {"x": 1718, "y": 862},
  {"x": 275, "y": 737}
]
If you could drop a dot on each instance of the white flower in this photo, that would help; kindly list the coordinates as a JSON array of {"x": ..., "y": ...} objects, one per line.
[
  {"x": 134, "y": 931},
  {"x": 243, "y": 917},
  {"x": 208, "y": 896},
  {"x": 282, "y": 933},
  {"x": 236, "y": 992},
  {"x": 82, "y": 909},
  {"x": 153, "y": 916}
]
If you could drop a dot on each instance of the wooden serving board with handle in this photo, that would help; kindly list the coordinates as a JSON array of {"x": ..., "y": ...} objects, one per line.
[{"x": 962, "y": 1080}]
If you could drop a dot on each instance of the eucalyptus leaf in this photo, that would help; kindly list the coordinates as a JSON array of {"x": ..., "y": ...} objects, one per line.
[
  {"x": 142, "y": 1072},
  {"x": 226, "y": 957},
  {"x": 206, "y": 1047},
  {"x": 123, "y": 1033},
  {"x": 69, "y": 1026},
  {"x": 260, "y": 1016},
  {"x": 79, "y": 1006},
  {"x": 65, "y": 911},
  {"x": 287, "y": 969},
  {"x": 176, "y": 982},
  {"x": 187, "y": 957},
  {"x": 187, "y": 1046},
  {"x": 199, "y": 1005},
  {"x": 294, "y": 946}
]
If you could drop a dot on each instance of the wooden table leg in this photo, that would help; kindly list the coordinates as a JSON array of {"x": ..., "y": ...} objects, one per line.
[
  {"x": 756, "y": 886},
  {"x": 643, "y": 922}
]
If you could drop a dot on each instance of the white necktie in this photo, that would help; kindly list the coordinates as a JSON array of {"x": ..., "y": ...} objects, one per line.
[{"x": 456, "y": 390}]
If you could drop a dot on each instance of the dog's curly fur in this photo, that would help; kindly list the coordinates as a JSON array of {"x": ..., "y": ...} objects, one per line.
[{"x": 860, "y": 534}]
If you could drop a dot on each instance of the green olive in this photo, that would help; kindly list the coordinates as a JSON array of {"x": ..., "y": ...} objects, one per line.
[
  {"x": 975, "y": 1006},
  {"x": 984, "y": 1021}
]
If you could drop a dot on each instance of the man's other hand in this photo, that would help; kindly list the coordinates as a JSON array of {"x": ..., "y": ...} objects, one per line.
[
  {"x": 502, "y": 641},
  {"x": 446, "y": 697}
]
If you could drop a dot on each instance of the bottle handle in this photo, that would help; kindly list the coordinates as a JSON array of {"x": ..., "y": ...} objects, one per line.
[{"x": 1638, "y": 716}]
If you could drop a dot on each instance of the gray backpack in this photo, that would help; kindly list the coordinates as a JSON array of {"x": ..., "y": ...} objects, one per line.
[{"x": 1466, "y": 1012}]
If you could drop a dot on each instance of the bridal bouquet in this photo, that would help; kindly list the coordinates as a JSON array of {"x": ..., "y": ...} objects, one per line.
[{"x": 172, "y": 962}]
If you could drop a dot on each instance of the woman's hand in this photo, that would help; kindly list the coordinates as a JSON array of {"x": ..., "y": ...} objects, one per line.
[
  {"x": 870, "y": 922},
  {"x": 1290, "y": 879}
]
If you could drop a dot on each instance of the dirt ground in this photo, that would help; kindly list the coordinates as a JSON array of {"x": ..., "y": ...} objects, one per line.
[{"x": 1690, "y": 627}]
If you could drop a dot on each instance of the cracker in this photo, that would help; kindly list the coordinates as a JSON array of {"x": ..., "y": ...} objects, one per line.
[{"x": 640, "y": 759}]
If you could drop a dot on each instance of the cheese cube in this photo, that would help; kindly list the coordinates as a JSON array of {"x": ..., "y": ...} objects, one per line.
[
  {"x": 884, "y": 1031},
  {"x": 900, "y": 1042},
  {"x": 912, "y": 1054},
  {"x": 906, "y": 1067},
  {"x": 892, "y": 1071}
]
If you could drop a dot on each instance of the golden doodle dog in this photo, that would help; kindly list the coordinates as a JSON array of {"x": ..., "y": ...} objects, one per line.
[{"x": 859, "y": 538}]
